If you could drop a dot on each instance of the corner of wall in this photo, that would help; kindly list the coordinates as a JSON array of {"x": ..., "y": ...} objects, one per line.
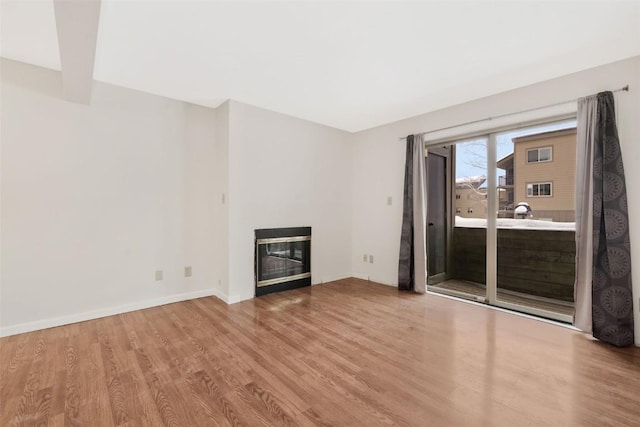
[{"x": 131, "y": 182}]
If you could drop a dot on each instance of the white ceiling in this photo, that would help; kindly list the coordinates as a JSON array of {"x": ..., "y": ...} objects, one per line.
[{"x": 351, "y": 65}]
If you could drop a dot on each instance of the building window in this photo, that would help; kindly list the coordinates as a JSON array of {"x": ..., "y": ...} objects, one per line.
[
  {"x": 457, "y": 197},
  {"x": 469, "y": 210},
  {"x": 539, "y": 155},
  {"x": 458, "y": 210},
  {"x": 539, "y": 189}
]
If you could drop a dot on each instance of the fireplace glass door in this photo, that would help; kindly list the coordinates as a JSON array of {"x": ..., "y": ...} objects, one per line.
[{"x": 282, "y": 260}]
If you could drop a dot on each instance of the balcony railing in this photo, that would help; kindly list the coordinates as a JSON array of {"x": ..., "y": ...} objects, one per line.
[
  {"x": 505, "y": 180},
  {"x": 533, "y": 262}
]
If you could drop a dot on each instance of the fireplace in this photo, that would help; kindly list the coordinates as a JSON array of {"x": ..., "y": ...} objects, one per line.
[{"x": 283, "y": 259}]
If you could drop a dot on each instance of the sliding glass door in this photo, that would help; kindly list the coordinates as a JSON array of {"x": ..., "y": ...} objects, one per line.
[
  {"x": 438, "y": 171},
  {"x": 465, "y": 207},
  {"x": 510, "y": 238}
]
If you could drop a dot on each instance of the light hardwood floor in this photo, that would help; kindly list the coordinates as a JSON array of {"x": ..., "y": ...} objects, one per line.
[{"x": 346, "y": 353}]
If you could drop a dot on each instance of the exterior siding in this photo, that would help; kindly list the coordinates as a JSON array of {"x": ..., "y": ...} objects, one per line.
[{"x": 560, "y": 171}]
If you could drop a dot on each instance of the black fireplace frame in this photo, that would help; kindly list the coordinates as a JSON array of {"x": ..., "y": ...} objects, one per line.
[{"x": 276, "y": 233}]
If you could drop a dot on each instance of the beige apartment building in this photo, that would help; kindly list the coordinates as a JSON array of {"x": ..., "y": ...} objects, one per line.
[
  {"x": 471, "y": 197},
  {"x": 541, "y": 172}
]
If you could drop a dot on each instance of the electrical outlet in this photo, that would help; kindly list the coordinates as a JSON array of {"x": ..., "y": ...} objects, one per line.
[
  {"x": 364, "y": 257},
  {"x": 158, "y": 275},
  {"x": 187, "y": 271},
  {"x": 370, "y": 259}
]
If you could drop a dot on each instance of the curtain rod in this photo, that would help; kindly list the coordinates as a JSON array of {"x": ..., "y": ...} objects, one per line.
[{"x": 622, "y": 89}]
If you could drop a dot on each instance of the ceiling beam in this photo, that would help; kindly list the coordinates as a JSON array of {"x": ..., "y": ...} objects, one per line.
[{"x": 77, "y": 27}]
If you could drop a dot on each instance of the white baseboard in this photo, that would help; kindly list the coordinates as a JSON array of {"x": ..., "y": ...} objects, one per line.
[
  {"x": 219, "y": 294},
  {"x": 21, "y": 328},
  {"x": 232, "y": 299},
  {"x": 373, "y": 279},
  {"x": 360, "y": 276},
  {"x": 104, "y": 312},
  {"x": 333, "y": 278}
]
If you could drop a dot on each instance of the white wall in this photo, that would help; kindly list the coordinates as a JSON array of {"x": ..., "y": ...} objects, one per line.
[
  {"x": 96, "y": 198},
  {"x": 205, "y": 215},
  {"x": 287, "y": 172},
  {"x": 378, "y": 165},
  {"x": 220, "y": 217}
]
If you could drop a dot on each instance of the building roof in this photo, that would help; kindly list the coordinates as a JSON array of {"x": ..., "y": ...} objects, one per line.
[
  {"x": 544, "y": 135},
  {"x": 506, "y": 162},
  {"x": 470, "y": 181}
]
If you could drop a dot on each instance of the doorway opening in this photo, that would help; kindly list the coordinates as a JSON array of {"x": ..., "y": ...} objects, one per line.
[{"x": 501, "y": 219}]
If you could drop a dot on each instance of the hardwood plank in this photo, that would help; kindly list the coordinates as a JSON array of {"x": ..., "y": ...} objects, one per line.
[{"x": 349, "y": 352}]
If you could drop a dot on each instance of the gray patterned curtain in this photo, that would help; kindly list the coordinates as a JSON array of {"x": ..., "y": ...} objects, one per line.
[
  {"x": 412, "y": 271},
  {"x": 610, "y": 288}
]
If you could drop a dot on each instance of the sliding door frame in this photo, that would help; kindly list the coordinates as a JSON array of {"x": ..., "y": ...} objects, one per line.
[
  {"x": 492, "y": 241},
  {"x": 491, "y": 260}
]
